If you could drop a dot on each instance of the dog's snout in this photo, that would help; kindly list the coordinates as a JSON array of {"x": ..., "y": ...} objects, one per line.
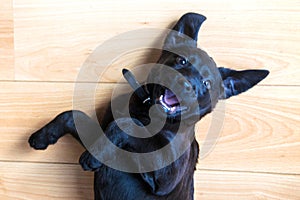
[{"x": 186, "y": 86}]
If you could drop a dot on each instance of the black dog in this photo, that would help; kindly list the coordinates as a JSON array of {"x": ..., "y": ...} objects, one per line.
[{"x": 198, "y": 84}]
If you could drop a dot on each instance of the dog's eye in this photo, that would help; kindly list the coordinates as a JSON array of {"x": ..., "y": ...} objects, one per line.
[
  {"x": 181, "y": 61},
  {"x": 207, "y": 84}
]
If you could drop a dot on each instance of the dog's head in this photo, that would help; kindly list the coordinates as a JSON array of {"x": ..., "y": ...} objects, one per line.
[{"x": 191, "y": 82}]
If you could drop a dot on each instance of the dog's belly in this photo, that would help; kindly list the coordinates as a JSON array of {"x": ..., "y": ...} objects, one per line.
[
  {"x": 111, "y": 184},
  {"x": 115, "y": 185}
]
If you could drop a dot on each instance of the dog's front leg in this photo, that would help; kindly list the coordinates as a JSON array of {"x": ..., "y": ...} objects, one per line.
[
  {"x": 62, "y": 124},
  {"x": 99, "y": 150}
]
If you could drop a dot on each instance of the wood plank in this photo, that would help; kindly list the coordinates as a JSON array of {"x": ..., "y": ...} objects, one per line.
[
  {"x": 217, "y": 185},
  {"x": 62, "y": 181},
  {"x": 47, "y": 181},
  {"x": 55, "y": 38},
  {"x": 260, "y": 131},
  {"x": 6, "y": 41}
]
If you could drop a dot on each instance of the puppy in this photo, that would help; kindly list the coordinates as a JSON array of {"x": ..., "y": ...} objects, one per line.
[{"x": 183, "y": 91}]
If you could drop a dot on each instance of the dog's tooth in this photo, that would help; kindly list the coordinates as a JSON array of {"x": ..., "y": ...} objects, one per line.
[{"x": 173, "y": 109}]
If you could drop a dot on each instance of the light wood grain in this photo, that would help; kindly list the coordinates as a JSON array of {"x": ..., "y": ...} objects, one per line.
[
  {"x": 55, "y": 38},
  {"x": 63, "y": 181},
  {"x": 260, "y": 132},
  {"x": 6, "y": 41},
  {"x": 44, "y": 181},
  {"x": 215, "y": 185}
]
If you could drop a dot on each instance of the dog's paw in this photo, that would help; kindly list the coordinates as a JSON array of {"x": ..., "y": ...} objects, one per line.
[
  {"x": 39, "y": 140},
  {"x": 88, "y": 162}
]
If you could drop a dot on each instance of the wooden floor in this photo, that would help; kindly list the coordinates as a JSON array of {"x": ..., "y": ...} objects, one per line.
[{"x": 43, "y": 45}]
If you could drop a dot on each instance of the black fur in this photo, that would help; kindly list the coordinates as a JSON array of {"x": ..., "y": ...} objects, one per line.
[{"x": 203, "y": 84}]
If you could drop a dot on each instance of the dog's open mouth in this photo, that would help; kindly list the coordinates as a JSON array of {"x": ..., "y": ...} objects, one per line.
[{"x": 170, "y": 103}]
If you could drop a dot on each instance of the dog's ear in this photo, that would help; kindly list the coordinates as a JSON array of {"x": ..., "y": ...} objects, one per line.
[
  {"x": 236, "y": 82},
  {"x": 189, "y": 25}
]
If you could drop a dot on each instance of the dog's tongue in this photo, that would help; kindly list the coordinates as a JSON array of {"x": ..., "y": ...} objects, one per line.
[{"x": 170, "y": 98}]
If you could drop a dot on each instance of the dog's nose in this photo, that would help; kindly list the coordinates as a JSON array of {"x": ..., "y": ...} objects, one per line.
[{"x": 185, "y": 84}]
